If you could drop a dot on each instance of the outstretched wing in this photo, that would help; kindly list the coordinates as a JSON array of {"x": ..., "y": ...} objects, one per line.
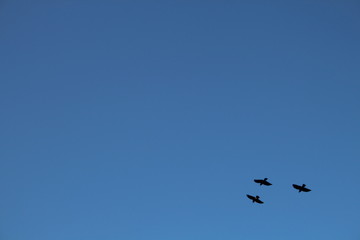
[
  {"x": 258, "y": 180},
  {"x": 266, "y": 183},
  {"x": 251, "y": 197},
  {"x": 259, "y": 201},
  {"x": 297, "y": 186},
  {"x": 305, "y": 189}
]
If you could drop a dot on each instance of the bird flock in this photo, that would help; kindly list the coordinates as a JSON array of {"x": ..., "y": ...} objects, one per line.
[{"x": 265, "y": 182}]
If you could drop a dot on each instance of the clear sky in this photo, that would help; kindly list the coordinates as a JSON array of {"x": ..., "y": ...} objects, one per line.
[{"x": 149, "y": 120}]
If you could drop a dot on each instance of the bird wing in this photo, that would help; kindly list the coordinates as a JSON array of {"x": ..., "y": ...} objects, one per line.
[
  {"x": 267, "y": 183},
  {"x": 258, "y": 180},
  {"x": 251, "y": 197},
  {"x": 296, "y": 186},
  {"x": 306, "y": 189},
  {"x": 259, "y": 201}
]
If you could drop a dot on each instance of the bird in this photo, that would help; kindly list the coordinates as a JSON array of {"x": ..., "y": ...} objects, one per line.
[
  {"x": 255, "y": 199},
  {"x": 301, "y": 188},
  {"x": 263, "y": 182}
]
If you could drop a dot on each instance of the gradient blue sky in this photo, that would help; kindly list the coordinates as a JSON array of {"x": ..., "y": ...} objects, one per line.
[{"x": 147, "y": 120}]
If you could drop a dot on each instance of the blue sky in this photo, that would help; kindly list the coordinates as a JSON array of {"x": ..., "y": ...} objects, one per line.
[{"x": 150, "y": 119}]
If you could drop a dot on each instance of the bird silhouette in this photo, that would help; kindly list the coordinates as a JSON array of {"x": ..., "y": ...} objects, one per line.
[
  {"x": 255, "y": 199},
  {"x": 301, "y": 188},
  {"x": 263, "y": 182}
]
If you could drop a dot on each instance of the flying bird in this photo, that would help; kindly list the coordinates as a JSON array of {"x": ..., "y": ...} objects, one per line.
[
  {"x": 263, "y": 182},
  {"x": 301, "y": 188},
  {"x": 255, "y": 199}
]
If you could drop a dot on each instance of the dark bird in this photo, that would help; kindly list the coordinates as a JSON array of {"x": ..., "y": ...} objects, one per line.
[
  {"x": 301, "y": 188},
  {"x": 262, "y": 182},
  {"x": 255, "y": 199}
]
